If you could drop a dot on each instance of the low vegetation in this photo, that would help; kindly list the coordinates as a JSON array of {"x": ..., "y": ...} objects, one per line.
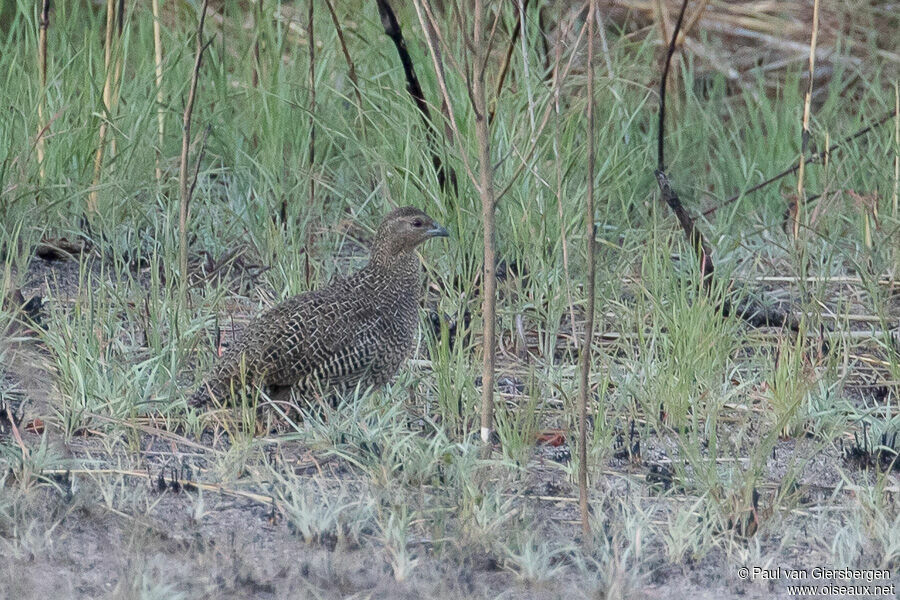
[{"x": 764, "y": 434}]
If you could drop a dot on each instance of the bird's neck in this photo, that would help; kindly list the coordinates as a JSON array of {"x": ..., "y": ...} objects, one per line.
[{"x": 400, "y": 271}]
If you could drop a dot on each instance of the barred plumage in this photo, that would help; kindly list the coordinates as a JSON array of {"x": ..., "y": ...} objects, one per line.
[{"x": 357, "y": 330}]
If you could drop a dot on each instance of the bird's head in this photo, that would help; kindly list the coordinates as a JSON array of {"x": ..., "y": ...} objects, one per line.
[{"x": 402, "y": 230}]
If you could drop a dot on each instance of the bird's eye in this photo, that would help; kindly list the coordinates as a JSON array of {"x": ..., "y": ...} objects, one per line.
[{"x": 418, "y": 223}]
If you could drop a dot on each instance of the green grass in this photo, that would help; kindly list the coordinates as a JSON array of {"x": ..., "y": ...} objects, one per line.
[{"x": 397, "y": 472}]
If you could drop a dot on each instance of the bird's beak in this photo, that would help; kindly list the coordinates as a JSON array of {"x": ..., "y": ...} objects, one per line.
[{"x": 437, "y": 230}]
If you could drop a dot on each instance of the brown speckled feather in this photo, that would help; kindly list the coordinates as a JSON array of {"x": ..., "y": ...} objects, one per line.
[{"x": 356, "y": 330}]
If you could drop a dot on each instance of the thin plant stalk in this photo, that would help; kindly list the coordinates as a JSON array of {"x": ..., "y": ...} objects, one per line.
[
  {"x": 257, "y": 21},
  {"x": 431, "y": 36},
  {"x": 486, "y": 191},
  {"x": 894, "y": 212},
  {"x": 526, "y": 76},
  {"x": 804, "y": 144},
  {"x": 557, "y": 155},
  {"x": 507, "y": 60},
  {"x": 184, "y": 188},
  {"x": 584, "y": 374},
  {"x": 351, "y": 67},
  {"x": 157, "y": 63},
  {"x": 310, "y": 33},
  {"x": 42, "y": 66},
  {"x": 117, "y": 74},
  {"x": 107, "y": 102}
]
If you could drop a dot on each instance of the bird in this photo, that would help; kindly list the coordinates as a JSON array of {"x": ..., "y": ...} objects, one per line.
[{"x": 357, "y": 330}]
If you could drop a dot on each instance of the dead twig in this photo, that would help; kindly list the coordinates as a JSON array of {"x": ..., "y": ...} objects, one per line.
[
  {"x": 184, "y": 188},
  {"x": 486, "y": 191},
  {"x": 108, "y": 85},
  {"x": 351, "y": 67},
  {"x": 311, "y": 36},
  {"x": 393, "y": 31},
  {"x": 669, "y": 196},
  {"x": 44, "y": 24},
  {"x": 804, "y": 140},
  {"x": 507, "y": 59},
  {"x": 584, "y": 371},
  {"x": 160, "y": 111}
]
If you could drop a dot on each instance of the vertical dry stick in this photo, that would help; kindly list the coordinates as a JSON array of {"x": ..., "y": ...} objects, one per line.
[
  {"x": 668, "y": 194},
  {"x": 257, "y": 21},
  {"x": 804, "y": 140},
  {"x": 486, "y": 191},
  {"x": 894, "y": 212},
  {"x": 392, "y": 29},
  {"x": 585, "y": 382},
  {"x": 351, "y": 68},
  {"x": 310, "y": 34},
  {"x": 42, "y": 65},
  {"x": 601, "y": 27},
  {"x": 157, "y": 62},
  {"x": 117, "y": 74},
  {"x": 184, "y": 190},
  {"x": 107, "y": 89},
  {"x": 507, "y": 59},
  {"x": 557, "y": 92},
  {"x": 432, "y": 36},
  {"x": 525, "y": 73},
  {"x": 662, "y": 13}
]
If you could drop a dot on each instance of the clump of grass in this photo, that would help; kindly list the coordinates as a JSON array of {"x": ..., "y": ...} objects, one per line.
[
  {"x": 395, "y": 523},
  {"x": 533, "y": 557},
  {"x": 792, "y": 382},
  {"x": 518, "y": 426},
  {"x": 323, "y": 512},
  {"x": 684, "y": 351}
]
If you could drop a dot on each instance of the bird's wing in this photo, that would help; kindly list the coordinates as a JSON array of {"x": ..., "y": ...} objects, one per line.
[{"x": 317, "y": 342}]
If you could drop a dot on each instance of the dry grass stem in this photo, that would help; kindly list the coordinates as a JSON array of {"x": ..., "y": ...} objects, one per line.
[
  {"x": 351, "y": 67},
  {"x": 486, "y": 192},
  {"x": 42, "y": 101},
  {"x": 183, "y": 184},
  {"x": 160, "y": 98},
  {"x": 311, "y": 82},
  {"x": 895, "y": 213},
  {"x": 507, "y": 58},
  {"x": 807, "y": 102},
  {"x": 584, "y": 384},
  {"x": 108, "y": 84},
  {"x": 434, "y": 47},
  {"x": 119, "y": 55}
]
